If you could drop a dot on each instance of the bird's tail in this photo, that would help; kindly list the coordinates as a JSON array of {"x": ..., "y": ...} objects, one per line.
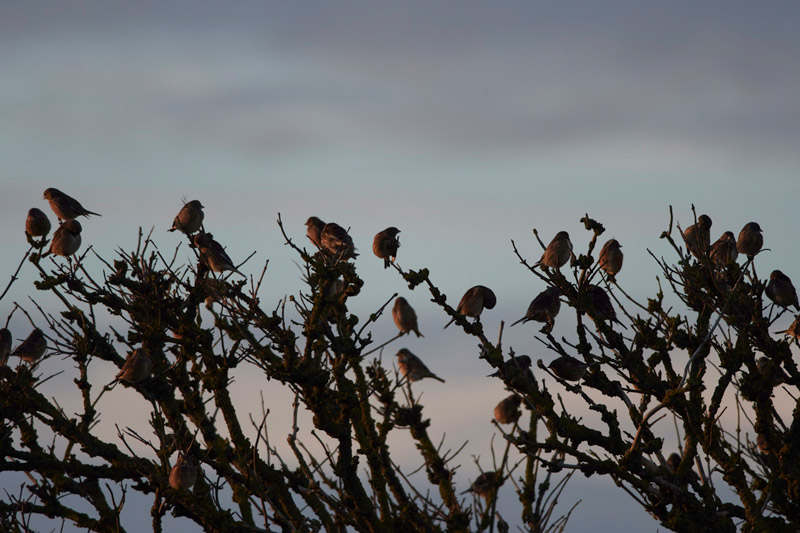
[
  {"x": 451, "y": 321},
  {"x": 518, "y": 321},
  {"x": 434, "y": 376},
  {"x": 418, "y": 333},
  {"x": 386, "y": 262}
]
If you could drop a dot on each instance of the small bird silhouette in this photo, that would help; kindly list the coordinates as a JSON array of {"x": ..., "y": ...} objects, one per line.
[
  {"x": 673, "y": 462},
  {"x": 474, "y": 301},
  {"x": 314, "y": 227},
  {"x": 568, "y": 368},
  {"x": 750, "y": 240},
  {"x": 212, "y": 254},
  {"x": 610, "y": 258},
  {"x": 405, "y": 318},
  {"x": 385, "y": 245},
  {"x": 508, "y": 411},
  {"x": 67, "y": 239},
  {"x": 189, "y": 218},
  {"x": 519, "y": 365},
  {"x": 771, "y": 370},
  {"x": 557, "y": 252},
  {"x": 483, "y": 484},
  {"x": 5, "y": 345},
  {"x": 337, "y": 241},
  {"x": 136, "y": 368},
  {"x": 794, "y": 329},
  {"x": 65, "y": 207},
  {"x": 601, "y": 307},
  {"x": 412, "y": 367},
  {"x": 781, "y": 291},
  {"x": 32, "y": 348},
  {"x": 543, "y": 308},
  {"x": 37, "y": 224},
  {"x": 724, "y": 251},
  {"x": 184, "y": 474},
  {"x": 698, "y": 236}
]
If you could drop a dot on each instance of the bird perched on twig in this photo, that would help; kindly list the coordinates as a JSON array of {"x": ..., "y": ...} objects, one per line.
[
  {"x": 557, "y": 252},
  {"x": 610, "y": 258},
  {"x": 189, "y": 218},
  {"x": 337, "y": 241},
  {"x": 37, "y": 224},
  {"x": 724, "y": 251},
  {"x": 601, "y": 307},
  {"x": 405, "y": 318},
  {"x": 314, "y": 227},
  {"x": 212, "y": 254},
  {"x": 5, "y": 345},
  {"x": 474, "y": 301},
  {"x": 568, "y": 368},
  {"x": 750, "y": 240},
  {"x": 184, "y": 474},
  {"x": 136, "y": 368},
  {"x": 519, "y": 365},
  {"x": 33, "y": 347},
  {"x": 543, "y": 308},
  {"x": 698, "y": 236},
  {"x": 771, "y": 370},
  {"x": 65, "y": 207},
  {"x": 483, "y": 484},
  {"x": 794, "y": 329},
  {"x": 385, "y": 245},
  {"x": 67, "y": 239},
  {"x": 508, "y": 411},
  {"x": 412, "y": 367},
  {"x": 781, "y": 291}
]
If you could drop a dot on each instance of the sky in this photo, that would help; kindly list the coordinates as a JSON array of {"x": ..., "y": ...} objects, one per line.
[{"x": 464, "y": 124}]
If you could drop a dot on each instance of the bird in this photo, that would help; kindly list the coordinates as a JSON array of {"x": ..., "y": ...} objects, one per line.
[
  {"x": 412, "y": 366},
  {"x": 483, "y": 484},
  {"x": 610, "y": 259},
  {"x": 474, "y": 301},
  {"x": 544, "y": 307},
  {"x": 212, "y": 254},
  {"x": 673, "y": 462},
  {"x": 557, "y": 252},
  {"x": 781, "y": 291},
  {"x": 404, "y": 316},
  {"x": 184, "y": 474},
  {"x": 750, "y": 240},
  {"x": 385, "y": 245},
  {"x": 762, "y": 444},
  {"x": 33, "y": 347},
  {"x": 65, "y": 207},
  {"x": 337, "y": 241},
  {"x": 5, "y": 345},
  {"x": 508, "y": 411},
  {"x": 771, "y": 370},
  {"x": 189, "y": 218},
  {"x": 517, "y": 365},
  {"x": 794, "y": 329},
  {"x": 724, "y": 251},
  {"x": 37, "y": 224},
  {"x": 314, "y": 230},
  {"x": 601, "y": 304},
  {"x": 67, "y": 239},
  {"x": 698, "y": 236},
  {"x": 568, "y": 368},
  {"x": 136, "y": 368}
]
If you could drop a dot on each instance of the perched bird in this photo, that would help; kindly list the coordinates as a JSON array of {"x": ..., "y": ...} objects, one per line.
[
  {"x": 37, "y": 224},
  {"x": 781, "y": 291},
  {"x": 136, "y": 368},
  {"x": 66, "y": 239},
  {"x": 610, "y": 259},
  {"x": 404, "y": 316},
  {"x": 314, "y": 228},
  {"x": 557, "y": 252},
  {"x": 474, "y": 301},
  {"x": 794, "y": 329},
  {"x": 750, "y": 240},
  {"x": 189, "y": 218},
  {"x": 5, "y": 345},
  {"x": 698, "y": 236},
  {"x": 483, "y": 484},
  {"x": 724, "y": 251},
  {"x": 212, "y": 254},
  {"x": 568, "y": 368},
  {"x": 763, "y": 445},
  {"x": 601, "y": 304},
  {"x": 385, "y": 245},
  {"x": 184, "y": 474},
  {"x": 65, "y": 207},
  {"x": 412, "y": 366},
  {"x": 33, "y": 347},
  {"x": 771, "y": 370},
  {"x": 517, "y": 365},
  {"x": 337, "y": 241},
  {"x": 508, "y": 411},
  {"x": 544, "y": 307}
]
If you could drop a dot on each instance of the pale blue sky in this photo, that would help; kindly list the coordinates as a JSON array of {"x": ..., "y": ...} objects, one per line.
[{"x": 464, "y": 124}]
